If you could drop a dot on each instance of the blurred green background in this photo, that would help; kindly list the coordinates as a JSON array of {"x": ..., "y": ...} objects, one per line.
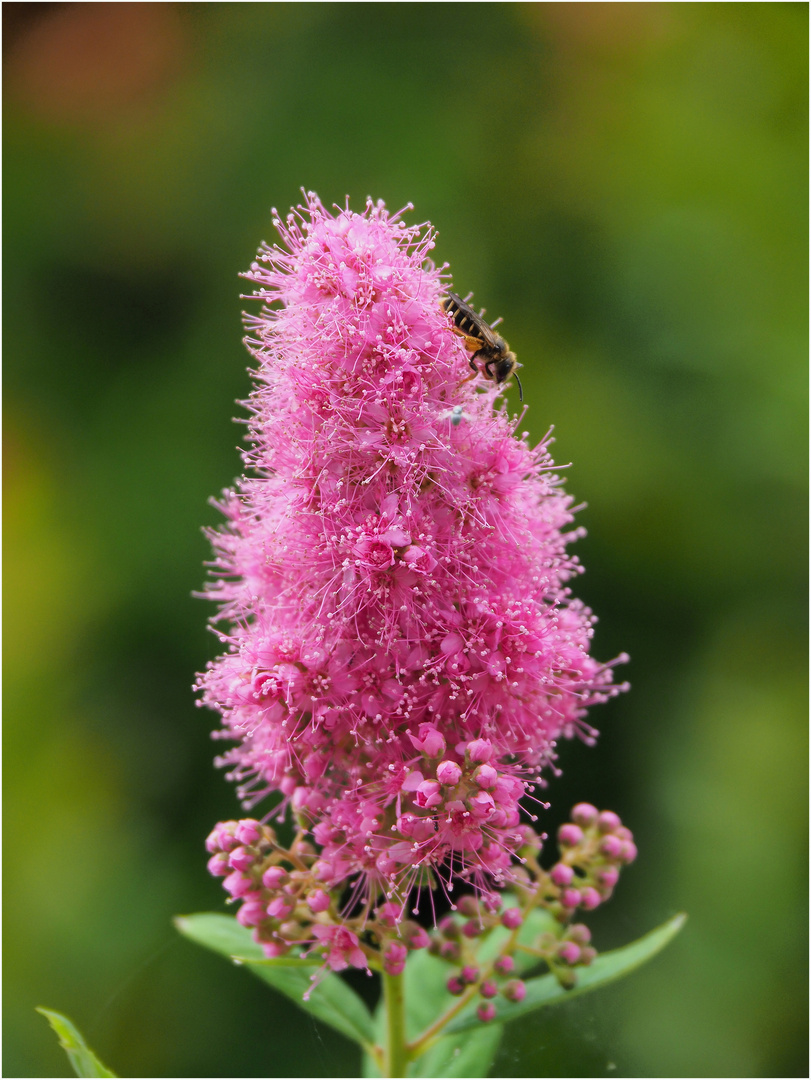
[{"x": 626, "y": 185}]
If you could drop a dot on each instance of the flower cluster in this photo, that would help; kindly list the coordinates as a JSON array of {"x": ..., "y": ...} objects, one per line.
[
  {"x": 538, "y": 927},
  {"x": 286, "y": 904},
  {"x": 402, "y": 648}
]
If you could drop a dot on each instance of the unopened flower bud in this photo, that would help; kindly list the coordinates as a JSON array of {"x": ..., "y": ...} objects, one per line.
[
  {"x": 512, "y": 918},
  {"x": 275, "y": 877},
  {"x": 416, "y": 937},
  {"x": 429, "y": 740},
  {"x": 515, "y": 990},
  {"x": 448, "y": 773},
  {"x": 480, "y": 750},
  {"x": 570, "y": 898},
  {"x": 428, "y": 794},
  {"x": 280, "y": 907},
  {"x": 608, "y": 821},
  {"x": 218, "y": 865},
  {"x": 486, "y": 776},
  {"x": 567, "y": 977},
  {"x": 237, "y": 884},
  {"x": 454, "y": 986},
  {"x": 241, "y": 859},
  {"x": 590, "y": 899},
  {"x": 449, "y": 950},
  {"x": 587, "y": 954},
  {"x": 608, "y": 878},
  {"x": 248, "y": 831},
  {"x": 221, "y": 837},
  {"x": 469, "y": 974},
  {"x": 318, "y": 901},
  {"x": 486, "y": 1012},
  {"x": 449, "y": 927},
  {"x": 562, "y": 874},
  {"x": 251, "y": 913},
  {"x": 579, "y": 933},
  {"x": 394, "y": 958},
  {"x": 472, "y": 928},
  {"x": 611, "y": 847},
  {"x": 568, "y": 952},
  {"x": 488, "y": 989},
  {"x": 468, "y": 906},
  {"x": 584, "y": 814},
  {"x": 272, "y": 949},
  {"x": 628, "y": 852},
  {"x": 504, "y": 965},
  {"x": 569, "y": 835}
]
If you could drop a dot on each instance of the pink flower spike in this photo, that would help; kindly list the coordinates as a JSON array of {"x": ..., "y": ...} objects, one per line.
[{"x": 393, "y": 575}]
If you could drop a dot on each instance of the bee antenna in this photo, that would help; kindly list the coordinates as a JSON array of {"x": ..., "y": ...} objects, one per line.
[{"x": 520, "y": 387}]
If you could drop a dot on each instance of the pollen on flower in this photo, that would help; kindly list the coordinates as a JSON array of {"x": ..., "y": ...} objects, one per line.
[{"x": 402, "y": 648}]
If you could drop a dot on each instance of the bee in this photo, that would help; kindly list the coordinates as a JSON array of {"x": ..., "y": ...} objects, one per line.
[{"x": 498, "y": 362}]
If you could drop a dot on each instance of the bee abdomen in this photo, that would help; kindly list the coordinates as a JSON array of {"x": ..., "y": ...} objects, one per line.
[{"x": 460, "y": 316}]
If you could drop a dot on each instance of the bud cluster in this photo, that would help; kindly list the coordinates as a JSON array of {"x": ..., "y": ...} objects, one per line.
[
  {"x": 593, "y": 848},
  {"x": 284, "y": 901}
]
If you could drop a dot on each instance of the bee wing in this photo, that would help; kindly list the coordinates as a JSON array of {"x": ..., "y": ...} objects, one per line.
[{"x": 468, "y": 322}]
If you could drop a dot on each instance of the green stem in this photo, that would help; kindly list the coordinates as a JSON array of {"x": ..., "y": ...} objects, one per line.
[{"x": 395, "y": 1058}]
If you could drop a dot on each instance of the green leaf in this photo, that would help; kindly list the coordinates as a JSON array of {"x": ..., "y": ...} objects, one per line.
[
  {"x": 608, "y": 966},
  {"x": 81, "y": 1057},
  {"x": 333, "y": 1001},
  {"x": 464, "y": 1054}
]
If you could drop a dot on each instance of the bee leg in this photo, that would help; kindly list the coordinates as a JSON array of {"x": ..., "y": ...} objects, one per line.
[
  {"x": 487, "y": 371},
  {"x": 474, "y": 366}
]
